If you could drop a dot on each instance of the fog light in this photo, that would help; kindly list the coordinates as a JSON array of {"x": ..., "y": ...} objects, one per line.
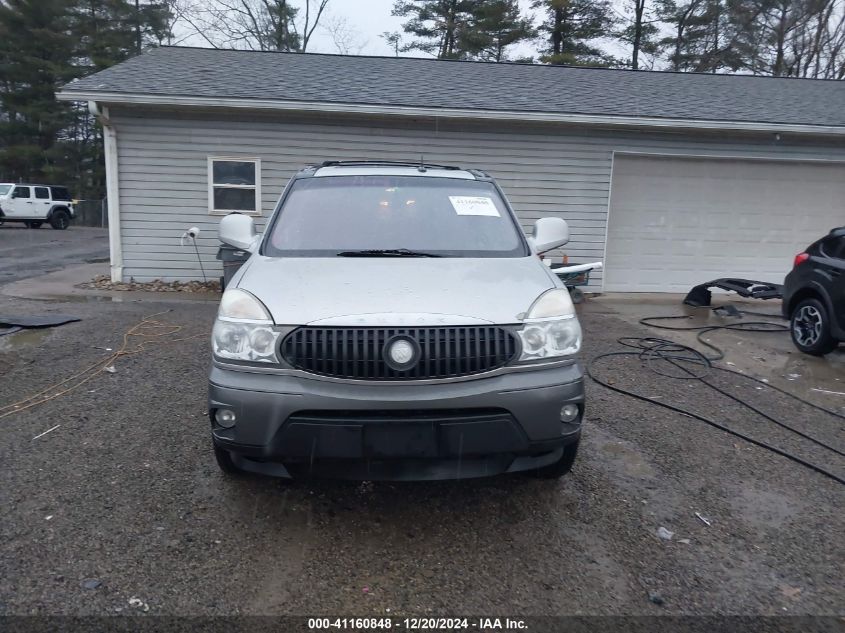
[
  {"x": 225, "y": 418},
  {"x": 569, "y": 413}
]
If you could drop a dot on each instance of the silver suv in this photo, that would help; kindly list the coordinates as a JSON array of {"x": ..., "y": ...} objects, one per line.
[
  {"x": 36, "y": 204},
  {"x": 394, "y": 322}
]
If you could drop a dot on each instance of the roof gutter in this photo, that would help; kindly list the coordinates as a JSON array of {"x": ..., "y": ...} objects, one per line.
[
  {"x": 112, "y": 189},
  {"x": 454, "y": 113}
]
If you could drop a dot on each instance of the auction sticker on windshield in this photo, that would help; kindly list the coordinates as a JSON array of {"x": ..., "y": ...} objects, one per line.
[{"x": 474, "y": 205}]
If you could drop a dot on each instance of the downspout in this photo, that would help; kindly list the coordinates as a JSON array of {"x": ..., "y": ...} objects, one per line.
[{"x": 112, "y": 189}]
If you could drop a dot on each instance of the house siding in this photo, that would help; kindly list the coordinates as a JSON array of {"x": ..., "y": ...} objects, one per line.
[{"x": 544, "y": 170}]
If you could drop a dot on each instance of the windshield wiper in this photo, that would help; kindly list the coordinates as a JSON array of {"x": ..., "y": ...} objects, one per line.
[{"x": 386, "y": 252}]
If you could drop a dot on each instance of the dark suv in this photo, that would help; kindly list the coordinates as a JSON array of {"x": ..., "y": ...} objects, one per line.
[{"x": 814, "y": 295}]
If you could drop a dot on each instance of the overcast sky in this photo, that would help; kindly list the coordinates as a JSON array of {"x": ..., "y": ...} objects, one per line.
[{"x": 366, "y": 21}]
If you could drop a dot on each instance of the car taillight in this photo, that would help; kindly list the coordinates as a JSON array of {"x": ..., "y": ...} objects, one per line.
[{"x": 800, "y": 258}]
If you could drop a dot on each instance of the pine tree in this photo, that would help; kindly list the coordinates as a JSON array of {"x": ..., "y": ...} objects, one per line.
[
  {"x": 497, "y": 25},
  {"x": 282, "y": 35},
  {"x": 110, "y": 31},
  {"x": 640, "y": 33},
  {"x": 36, "y": 53},
  {"x": 571, "y": 28},
  {"x": 43, "y": 45},
  {"x": 705, "y": 36},
  {"x": 442, "y": 28}
]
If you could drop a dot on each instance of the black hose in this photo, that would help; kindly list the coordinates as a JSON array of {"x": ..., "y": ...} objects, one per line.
[{"x": 692, "y": 364}]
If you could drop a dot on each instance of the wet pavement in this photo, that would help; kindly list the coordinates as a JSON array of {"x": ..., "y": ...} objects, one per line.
[
  {"x": 28, "y": 253},
  {"x": 771, "y": 356},
  {"x": 121, "y": 505}
]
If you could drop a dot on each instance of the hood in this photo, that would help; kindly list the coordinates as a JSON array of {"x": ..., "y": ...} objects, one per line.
[{"x": 395, "y": 290}]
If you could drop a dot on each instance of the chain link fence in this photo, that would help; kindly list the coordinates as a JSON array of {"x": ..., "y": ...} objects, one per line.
[{"x": 92, "y": 213}]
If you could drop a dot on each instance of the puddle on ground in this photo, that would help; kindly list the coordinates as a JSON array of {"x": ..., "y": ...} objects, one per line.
[
  {"x": 622, "y": 457},
  {"x": 131, "y": 297},
  {"x": 24, "y": 338},
  {"x": 75, "y": 299}
]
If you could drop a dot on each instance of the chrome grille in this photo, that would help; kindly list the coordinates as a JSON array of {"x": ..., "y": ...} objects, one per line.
[{"x": 358, "y": 353}]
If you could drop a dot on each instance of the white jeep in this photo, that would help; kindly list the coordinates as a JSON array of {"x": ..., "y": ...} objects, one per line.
[{"x": 36, "y": 204}]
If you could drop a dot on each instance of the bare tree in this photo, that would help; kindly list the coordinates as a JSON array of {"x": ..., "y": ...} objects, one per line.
[
  {"x": 793, "y": 38},
  {"x": 310, "y": 25},
  {"x": 346, "y": 39},
  {"x": 266, "y": 25}
]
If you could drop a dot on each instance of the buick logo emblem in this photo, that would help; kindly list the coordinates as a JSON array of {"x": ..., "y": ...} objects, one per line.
[{"x": 401, "y": 352}]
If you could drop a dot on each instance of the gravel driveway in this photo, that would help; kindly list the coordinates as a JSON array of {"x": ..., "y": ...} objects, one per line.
[{"x": 123, "y": 500}]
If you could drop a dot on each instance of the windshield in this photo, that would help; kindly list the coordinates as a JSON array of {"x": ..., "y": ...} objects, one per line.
[
  {"x": 4, "y": 189},
  {"x": 343, "y": 215}
]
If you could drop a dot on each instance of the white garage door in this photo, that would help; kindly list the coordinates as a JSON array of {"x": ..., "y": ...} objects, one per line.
[{"x": 677, "y": 222}]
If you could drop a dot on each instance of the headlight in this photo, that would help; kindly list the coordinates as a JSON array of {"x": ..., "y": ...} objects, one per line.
[
  {"x": 550, "y": 338},
  {"x": 244, "y": 330},
  {"x": 551, "y": 328},
  {"x": 240, "y": 304}
]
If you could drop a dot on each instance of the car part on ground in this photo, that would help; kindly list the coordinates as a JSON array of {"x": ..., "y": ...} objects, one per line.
[
  {"x": 37, "y": 321},
  {"x": 700, "y": 295},
  {"x": 814, "y": 295},
  {"x": 682, "y": 362},
  {"x": 575, "y": 275}
]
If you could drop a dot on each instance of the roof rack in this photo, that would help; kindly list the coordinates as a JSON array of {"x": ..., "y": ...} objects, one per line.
[{"x": 390, "y": 163}]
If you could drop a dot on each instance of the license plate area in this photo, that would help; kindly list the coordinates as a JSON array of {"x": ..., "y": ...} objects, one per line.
[{"x": 402, "y": 439}]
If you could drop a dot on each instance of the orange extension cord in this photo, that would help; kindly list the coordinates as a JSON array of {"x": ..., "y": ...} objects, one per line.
[{"x": 149, "y": 330}]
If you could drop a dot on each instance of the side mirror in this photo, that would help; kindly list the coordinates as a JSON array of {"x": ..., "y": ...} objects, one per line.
[
  {"x": 549, "y": 233},
  {"x": 15, "y": 193},
  {"x": 238, "y": 230}
]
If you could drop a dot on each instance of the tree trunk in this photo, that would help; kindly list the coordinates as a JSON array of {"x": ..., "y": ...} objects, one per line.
[
  {"x": 778, "y": 69},
  {"x": 557, "y": 33},
  {"x": 449, "y": 38},
  {"x": 639, "y": 9},
  {"x": 137, "y": 26},
  {"x": 679, "y": 43}
]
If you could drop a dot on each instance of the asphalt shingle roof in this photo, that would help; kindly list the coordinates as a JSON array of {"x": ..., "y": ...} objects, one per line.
[{"x": 427, "y": 83}]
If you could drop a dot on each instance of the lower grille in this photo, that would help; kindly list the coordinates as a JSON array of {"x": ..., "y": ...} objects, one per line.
[
  {"x": 359, "y": 353},
  {"x": 402, "y": 416}
]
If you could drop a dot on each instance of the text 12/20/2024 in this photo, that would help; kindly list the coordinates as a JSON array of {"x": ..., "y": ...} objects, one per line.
[{"x": 417, "y": 624}]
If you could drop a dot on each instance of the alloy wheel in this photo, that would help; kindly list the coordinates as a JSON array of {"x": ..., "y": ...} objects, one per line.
[{"x": 807, "y": 326}]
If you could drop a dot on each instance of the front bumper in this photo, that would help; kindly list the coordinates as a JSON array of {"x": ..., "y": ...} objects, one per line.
[{"x": 293, "y": 425}]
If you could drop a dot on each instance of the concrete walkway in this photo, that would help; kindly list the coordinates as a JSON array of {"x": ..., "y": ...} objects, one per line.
[{"x": 62, "y": 285}]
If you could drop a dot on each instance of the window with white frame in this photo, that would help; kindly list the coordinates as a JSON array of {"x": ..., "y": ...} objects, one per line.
[{"x": 234, "y": 184}]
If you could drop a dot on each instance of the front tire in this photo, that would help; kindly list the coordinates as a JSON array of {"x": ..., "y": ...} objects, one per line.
[
  {"x": 225, "y": 462},
  {"x": 562, "y": 466},
  {"x": 809, "y": 327},
  {"x": 60, "y": 220}
]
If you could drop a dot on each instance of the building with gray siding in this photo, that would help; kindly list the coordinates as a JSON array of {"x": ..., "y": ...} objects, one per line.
[{"x": 670, "y": 179}]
